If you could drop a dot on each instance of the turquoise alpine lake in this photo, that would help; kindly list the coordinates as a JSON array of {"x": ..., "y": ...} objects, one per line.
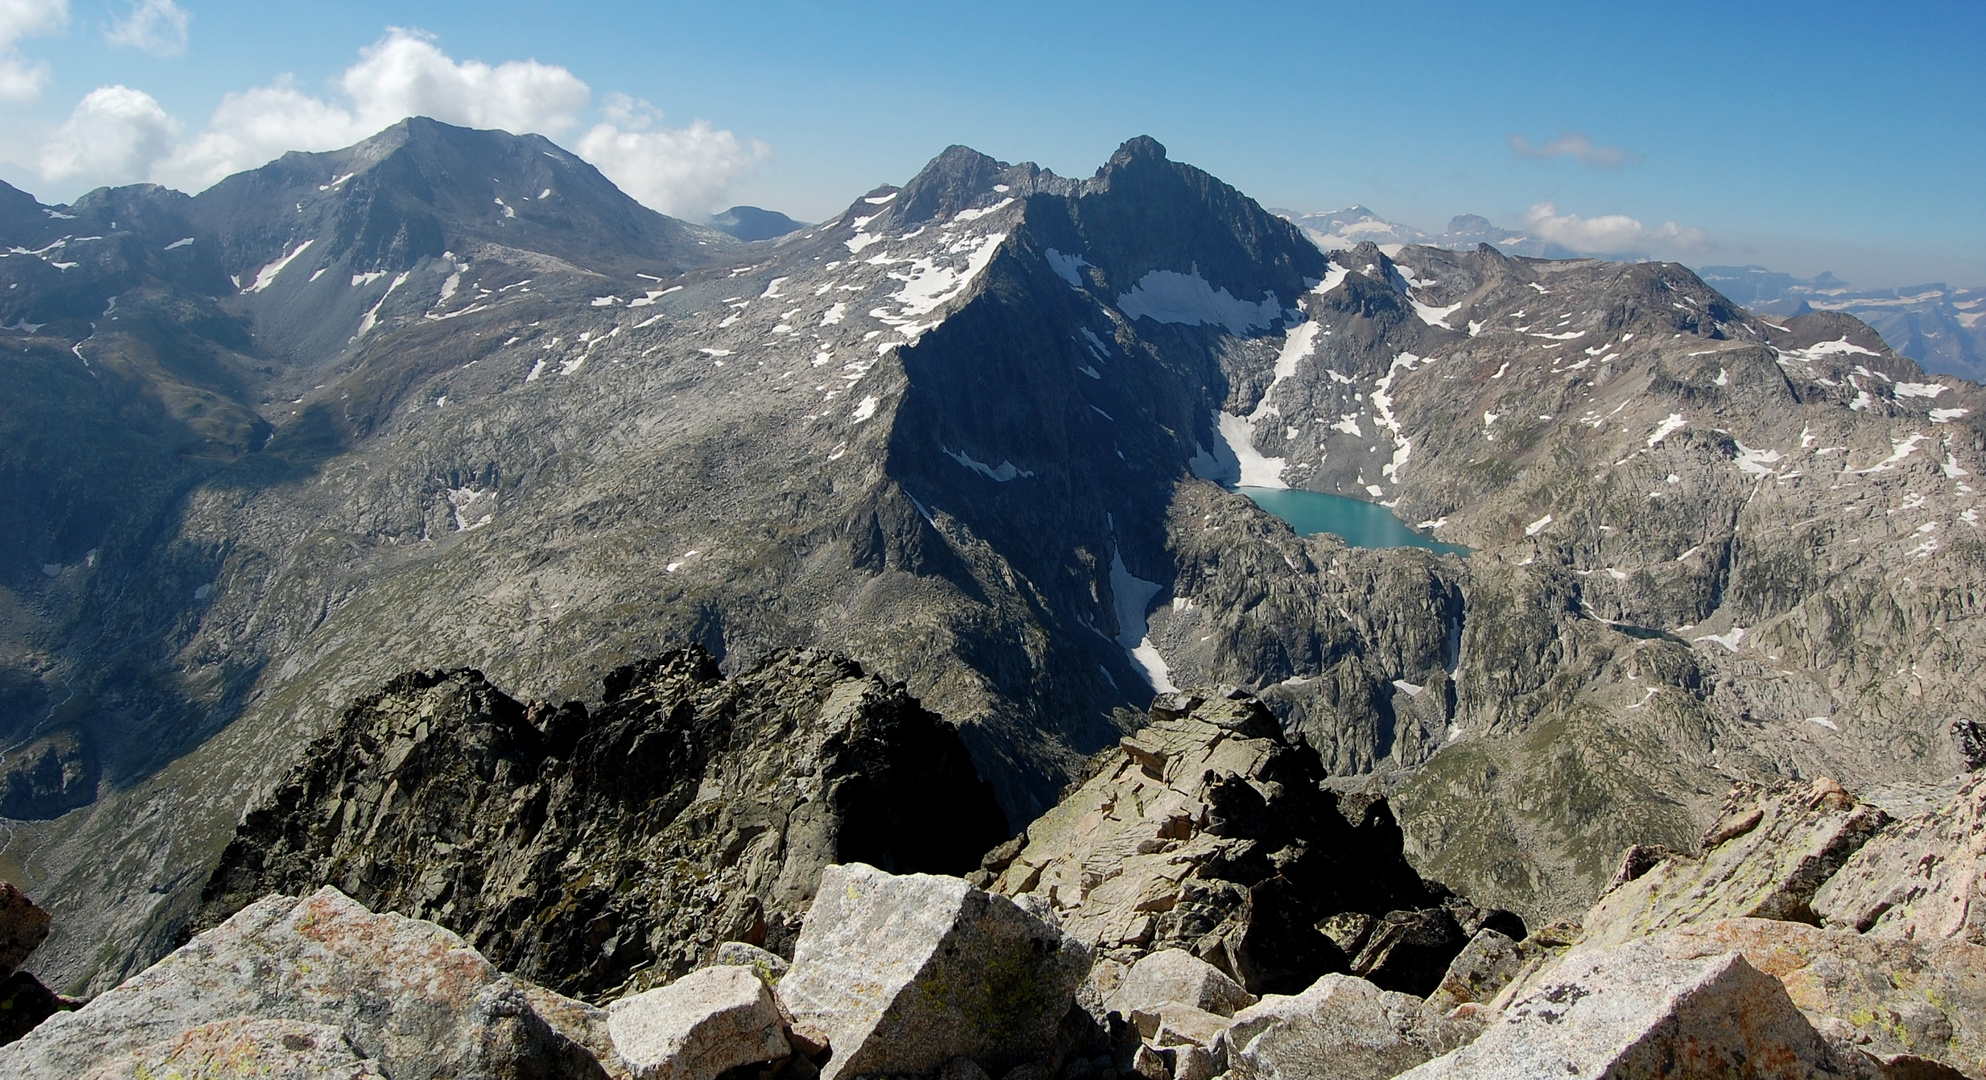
[{"x": 1359, "y": 523}]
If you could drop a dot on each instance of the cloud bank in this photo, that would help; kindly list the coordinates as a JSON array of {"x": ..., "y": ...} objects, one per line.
[
  {"x": 117, "y": 134},
  {"x": 1575, "y": 145},
  {"x": 22, "y": 79},
  {"x": 1610, "y": 234}
]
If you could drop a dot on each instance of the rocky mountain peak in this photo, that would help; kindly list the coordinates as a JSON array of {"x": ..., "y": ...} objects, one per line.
[
  {"x": 1133, "y": 153},
  {"x": 962, "y": 178}
]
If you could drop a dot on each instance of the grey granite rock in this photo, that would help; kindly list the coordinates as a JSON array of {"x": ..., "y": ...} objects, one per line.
[
  {"x": 408, "y": 995},
  {"x": 1221, "y": 841},
  {"x": 768, "y": 966},
  {"x": 703, "y": 1024},
  {"x": 1632, "y": 1010},
  {"x": 1768, "y": 856},
  {"x": 902, "y": 974},
  {"x": 1175, "y": 975},
  {"x": 1921, "y": 878},
  {"x": 1487, "y": 964},
  {"x": 244, "y": 1047},
  {"x": 1343, "y": 1026}
]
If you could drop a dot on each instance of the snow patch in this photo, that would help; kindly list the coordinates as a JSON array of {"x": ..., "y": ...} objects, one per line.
[
  {"x": 1666, "y": 428},
  {"x": 1300, "y": 343},
  {"x": 1168, "y": 296},
  {"x": 1132, "y": 596},
  {"x": 1756, "y": 462},
  {"x": 1004, "y": 472},
  {"x": 266, "y": 276},
  {"x": 1729, "y": 639},
  {"x": 1382, "y": 405},
  {"x": 1252, "y": 467},
  {"x": 975, "y": 215},
  {"x": 927, "y": 285},
  {"x": 1435, "y": 316},
  {"x": 1839, "y": 347},
  {"x": 371, "y": 318},
  {"x": 1537, "y": 526},
  {"x": 1067, "y": 267}
]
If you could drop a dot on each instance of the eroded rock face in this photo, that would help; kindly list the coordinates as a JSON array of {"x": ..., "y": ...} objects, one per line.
[
  {"x": 616, "y": 848},
  {"x": 1208, "y": 831},
  {"x": 902, "y": 974},
  {"x": 1634, "y": 1011},
  {"x": 1920, "y": 878},
  {"x": 406, "y": 995},
  {"x": 1768, "y": 856}
]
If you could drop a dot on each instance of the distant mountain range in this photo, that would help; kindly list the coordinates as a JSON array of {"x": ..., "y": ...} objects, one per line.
[
  {"x": 449, "y": 398},
  {"x": 1934, "y": 324},
  {"x": 1342, "y": 230},
  {"x": 752, "y": 223}
]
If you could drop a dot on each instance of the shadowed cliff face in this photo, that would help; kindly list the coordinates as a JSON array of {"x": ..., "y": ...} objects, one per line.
[
  {"x": 614, "y": 848},
  {"x": 969, "y": 432}
]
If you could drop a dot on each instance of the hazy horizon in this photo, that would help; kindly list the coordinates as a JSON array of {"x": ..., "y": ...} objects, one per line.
[{"x": 1697, "y": 134}]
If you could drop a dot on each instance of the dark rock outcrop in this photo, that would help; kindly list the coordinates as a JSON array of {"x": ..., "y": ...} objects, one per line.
[
  {"x": 616, "y": 847},
  {"x": 24, "y": 1001}
]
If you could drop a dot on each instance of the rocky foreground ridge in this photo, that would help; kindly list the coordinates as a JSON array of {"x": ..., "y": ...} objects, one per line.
[{"x": 1152, "y": 925}]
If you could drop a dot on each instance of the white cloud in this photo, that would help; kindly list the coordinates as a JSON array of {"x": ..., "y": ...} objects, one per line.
[
  {"x": 403, "y": 74},
  {"x": 115, "y": 135},
  {"x": 684, "y": 171},
  {"x": 1610, "y": 234},
  {"x": 1575, "y": 145},
  {"x": 118, "y": 134},
  {"x": 154, "y": 26},
  {"x": 22, "y": 79}
]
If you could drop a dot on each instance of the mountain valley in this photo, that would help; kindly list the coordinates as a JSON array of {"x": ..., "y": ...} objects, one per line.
[{"x": 447, "y": 400}]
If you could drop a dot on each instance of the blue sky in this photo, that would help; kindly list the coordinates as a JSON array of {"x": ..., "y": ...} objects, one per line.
[{"x": 1804, "y": 137}]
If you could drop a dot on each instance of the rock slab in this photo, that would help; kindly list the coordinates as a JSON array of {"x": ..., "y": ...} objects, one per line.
[
  {"x": 902, "y": 974},
  {"x": 699, "y": 1026},
  {"x": 1890, "y": 997},
  {"x": 1175, "y": 975},
  {"x": 1635, "y": 1011},
  {"x": 1922, "y": 877},
  {"x": 1341, "y": 1027},
  {"x": 1767, "y": 857}
]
